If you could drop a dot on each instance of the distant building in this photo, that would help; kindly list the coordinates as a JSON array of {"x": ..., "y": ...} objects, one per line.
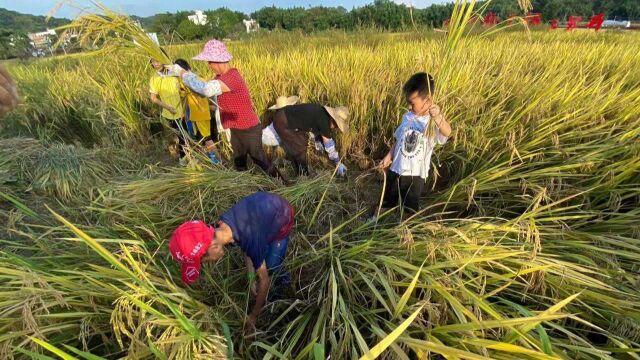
[
  {"x": 199, "y": 18},
  {"x": 41, "y": 40},
  {"x": 251, "y": 25}
]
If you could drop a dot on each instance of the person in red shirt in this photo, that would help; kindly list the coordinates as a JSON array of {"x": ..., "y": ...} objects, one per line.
[{"x": 234, "y": 103}]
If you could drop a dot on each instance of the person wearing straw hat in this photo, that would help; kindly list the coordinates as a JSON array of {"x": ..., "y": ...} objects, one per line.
[
  {"x": 234, "y": 104},
  {"x": 284, "y": 101},
  {"x": 292, "y": 122},
  {"x": 269, "y": 135},
  {"x": 260, "y": 225}
]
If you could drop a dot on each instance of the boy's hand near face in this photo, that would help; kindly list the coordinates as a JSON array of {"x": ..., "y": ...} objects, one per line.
[
  {"x": 438, "y": 118},
  {"x": 434, "y": 111}
]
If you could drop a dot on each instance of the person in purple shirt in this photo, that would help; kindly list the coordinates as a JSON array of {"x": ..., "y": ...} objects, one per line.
[{"x": 259, "y": 224}]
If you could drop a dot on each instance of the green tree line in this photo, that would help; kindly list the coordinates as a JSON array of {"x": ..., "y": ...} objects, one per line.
[
  {"x": 389, "y": 15},
  {"x": 382, "y": 14}
]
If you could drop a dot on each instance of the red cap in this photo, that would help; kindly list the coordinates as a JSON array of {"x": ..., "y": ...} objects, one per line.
[{"x": 189, "y": 242}]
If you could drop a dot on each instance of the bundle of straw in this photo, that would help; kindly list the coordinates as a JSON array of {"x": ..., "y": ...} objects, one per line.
[{"x": 111, "y": 30}]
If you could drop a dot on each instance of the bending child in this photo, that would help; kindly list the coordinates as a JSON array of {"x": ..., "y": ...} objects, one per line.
[{"x": 260, "y": 225}]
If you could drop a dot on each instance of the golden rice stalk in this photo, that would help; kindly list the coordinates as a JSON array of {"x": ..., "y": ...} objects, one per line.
[
  {"x": 110, "y": 30},
  {"x": 525, "y": 5}
]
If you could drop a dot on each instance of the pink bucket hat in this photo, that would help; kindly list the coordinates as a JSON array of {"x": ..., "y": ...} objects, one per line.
[{"x": 214, "y": 51}]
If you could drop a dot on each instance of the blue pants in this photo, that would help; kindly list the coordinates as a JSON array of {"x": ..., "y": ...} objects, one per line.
[{"x": 274, "y": 260}]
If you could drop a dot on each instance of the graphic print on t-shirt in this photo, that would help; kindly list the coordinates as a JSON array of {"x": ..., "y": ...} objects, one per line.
[
  {"x": 411, "y": 144},
  {"x": 413, "y": 150}
]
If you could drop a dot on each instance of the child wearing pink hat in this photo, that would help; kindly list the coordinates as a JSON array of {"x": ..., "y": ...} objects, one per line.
[{"x": 235, "y": 105}]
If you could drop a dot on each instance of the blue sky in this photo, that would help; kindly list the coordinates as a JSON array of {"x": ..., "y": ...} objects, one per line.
[{"x": 146, "y": 8}]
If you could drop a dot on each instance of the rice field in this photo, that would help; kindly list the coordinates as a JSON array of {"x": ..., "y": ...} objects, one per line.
[{"x": 527, "y": 247}]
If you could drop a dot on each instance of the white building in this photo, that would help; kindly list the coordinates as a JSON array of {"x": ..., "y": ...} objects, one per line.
[
  {"x": 199, "y": 18},
  {"x": 251, "y": 25},
  {"x": 42, "y": 39}
]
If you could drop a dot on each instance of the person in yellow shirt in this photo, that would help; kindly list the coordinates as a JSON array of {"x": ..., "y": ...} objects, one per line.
[
  {"x": 197, "y": 111},
  {"x": 164, "y": 91}
]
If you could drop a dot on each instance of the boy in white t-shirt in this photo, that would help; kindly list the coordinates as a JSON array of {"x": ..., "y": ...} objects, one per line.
[{"x": 410, "y": 156}]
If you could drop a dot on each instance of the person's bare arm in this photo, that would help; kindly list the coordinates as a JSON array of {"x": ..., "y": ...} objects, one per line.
[
  {"x": 440, "y": 121},
  {"x": 224, "y": 86},
  {"x": 8, "y": 92},
  {"x": 156, "y": 100},
  {"x": 251, "y": 275},
  {"x": 249, "y": 264},
  {"x": 263, "y": 289},
  {"x": 386, "y": 161}
]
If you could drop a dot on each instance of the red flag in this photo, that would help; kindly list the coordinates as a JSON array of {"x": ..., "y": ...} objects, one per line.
[
  {"x": 573, "y": 22},
  {"x": 596, "y": 22}
]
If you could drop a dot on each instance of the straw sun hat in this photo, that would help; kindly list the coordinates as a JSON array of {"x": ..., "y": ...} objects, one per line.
[
  {"x": 340, "y": 115},
  {"x": 284, "y": 101}
]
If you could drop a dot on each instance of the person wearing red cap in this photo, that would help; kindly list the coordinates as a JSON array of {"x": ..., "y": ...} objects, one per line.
[{"x": 259, "y": 224}]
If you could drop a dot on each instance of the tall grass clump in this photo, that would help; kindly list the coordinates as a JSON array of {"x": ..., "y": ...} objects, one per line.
[{"x": 61, "y": 171}]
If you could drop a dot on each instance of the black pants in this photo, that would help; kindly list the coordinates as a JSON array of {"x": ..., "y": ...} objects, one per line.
[
  {"x": 294, "y": 143},
  {"x": 180, "y": 126},
  {"x": 249, "y": 142},
  {"x": 403, "y": 189}
]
